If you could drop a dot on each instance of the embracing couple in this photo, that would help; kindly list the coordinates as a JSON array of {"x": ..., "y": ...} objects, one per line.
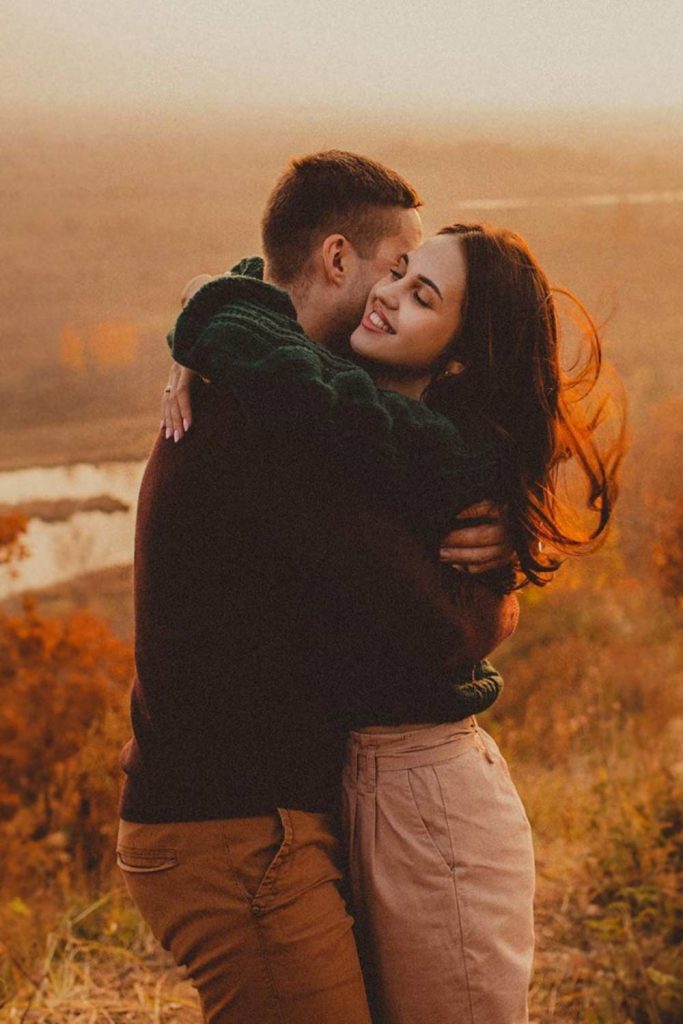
[{"x": 313, "y": 822}]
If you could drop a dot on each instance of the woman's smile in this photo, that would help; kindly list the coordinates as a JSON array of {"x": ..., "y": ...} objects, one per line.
[{"x": 376, "y": 320}]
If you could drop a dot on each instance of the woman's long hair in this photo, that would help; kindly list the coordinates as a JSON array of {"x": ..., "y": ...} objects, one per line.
[{"x": 560, "y": 475}]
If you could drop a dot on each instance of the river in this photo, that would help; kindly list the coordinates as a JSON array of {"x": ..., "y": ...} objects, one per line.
[{"x": 86, "y": 540}]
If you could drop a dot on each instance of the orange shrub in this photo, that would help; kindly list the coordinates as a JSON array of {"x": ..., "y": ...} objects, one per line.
[
  {"x": 12, "y": 529},
  {"x": 63, "y": 690}
]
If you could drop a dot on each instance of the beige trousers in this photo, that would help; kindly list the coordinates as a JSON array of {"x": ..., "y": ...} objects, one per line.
[
  {"x": 442, "y": 875},
  {"x": 252, "y": 908}
]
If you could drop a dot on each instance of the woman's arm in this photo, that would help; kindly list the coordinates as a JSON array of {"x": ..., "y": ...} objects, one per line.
[{"x": 406, "y": 646}]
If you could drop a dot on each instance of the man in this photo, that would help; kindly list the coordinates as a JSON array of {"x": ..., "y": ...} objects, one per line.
[{"x": 274, "y": 610}]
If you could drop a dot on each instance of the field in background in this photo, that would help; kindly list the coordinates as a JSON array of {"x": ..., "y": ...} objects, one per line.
[
  {"x": 102, "y": 230},
  {"x": 103, "y": 227}
]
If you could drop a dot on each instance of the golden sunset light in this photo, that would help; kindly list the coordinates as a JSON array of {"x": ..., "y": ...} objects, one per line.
[{"x": 296, "y": 558}]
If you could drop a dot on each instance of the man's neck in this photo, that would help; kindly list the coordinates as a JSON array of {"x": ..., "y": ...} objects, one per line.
[
  {"x": 308, "y": 311},
  {"x": 312, "y": 323}
]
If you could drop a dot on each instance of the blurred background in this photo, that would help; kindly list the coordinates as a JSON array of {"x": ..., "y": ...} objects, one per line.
[{"x": 139, "y": 144}]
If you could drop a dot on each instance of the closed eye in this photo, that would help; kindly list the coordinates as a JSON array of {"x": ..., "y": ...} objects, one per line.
[{"x": 399, "y": 271}]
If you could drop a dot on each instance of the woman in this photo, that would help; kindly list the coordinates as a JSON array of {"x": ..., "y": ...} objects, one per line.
[
  {"x": 440, "y": 853},
  {"x": 439, "y": 845}
]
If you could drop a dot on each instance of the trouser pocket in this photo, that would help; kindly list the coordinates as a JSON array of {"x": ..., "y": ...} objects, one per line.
[
  {"x": 258, "y": 851},
  {"x": 138, "y": 861},
  {"x": 425, "y": 790}
]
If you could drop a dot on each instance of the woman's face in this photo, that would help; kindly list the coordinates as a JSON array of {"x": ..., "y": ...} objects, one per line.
[{"x": 412, "y": 314}]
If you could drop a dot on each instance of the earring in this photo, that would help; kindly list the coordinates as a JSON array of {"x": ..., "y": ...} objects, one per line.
[{"x": 453, "y": 369}]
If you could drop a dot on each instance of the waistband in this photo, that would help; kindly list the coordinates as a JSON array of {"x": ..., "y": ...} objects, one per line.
[{"x": 370, "y": 753}]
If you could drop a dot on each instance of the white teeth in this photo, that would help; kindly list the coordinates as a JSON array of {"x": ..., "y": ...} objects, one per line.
[{"x": 376, "y": 319}]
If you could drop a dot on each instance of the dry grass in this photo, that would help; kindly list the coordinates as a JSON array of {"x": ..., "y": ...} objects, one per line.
[
  {"x": 608, "y": 911},
  {"x": 108, "y": 979},
  {"x": 609, "y": 908},
  {"x": 96, "y": 992}
]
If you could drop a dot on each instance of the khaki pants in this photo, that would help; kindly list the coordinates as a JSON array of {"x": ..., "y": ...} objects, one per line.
[
  {"x": 442, "y": 874},
  {"x": 252, "y": 908}
]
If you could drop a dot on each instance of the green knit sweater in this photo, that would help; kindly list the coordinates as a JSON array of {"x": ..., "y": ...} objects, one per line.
[{"x": 242, "y": 332}]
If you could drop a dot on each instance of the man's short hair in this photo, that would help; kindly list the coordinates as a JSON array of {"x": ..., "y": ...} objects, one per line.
[{"x": 329, "y": 193}]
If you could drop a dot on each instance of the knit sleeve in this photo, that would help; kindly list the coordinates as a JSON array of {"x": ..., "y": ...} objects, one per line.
[
  {"x": 474, "y": 693},
  {"x": 297, "y": 393}
]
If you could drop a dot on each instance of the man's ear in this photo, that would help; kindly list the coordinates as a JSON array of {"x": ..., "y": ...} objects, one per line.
[{"x": 337, "y": 254}]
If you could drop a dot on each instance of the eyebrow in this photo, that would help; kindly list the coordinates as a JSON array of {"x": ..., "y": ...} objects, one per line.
[{"x": 421, "y": 277}]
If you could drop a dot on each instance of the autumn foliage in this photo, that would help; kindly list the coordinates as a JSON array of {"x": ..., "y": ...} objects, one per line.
[
  {"x": 59, "y": 678},
  {"x": 652, "y": 516},
  {"x": 12, "y": 530},
  {"x": 63, "y": 694},
  {"x": 668, "y": 553}
]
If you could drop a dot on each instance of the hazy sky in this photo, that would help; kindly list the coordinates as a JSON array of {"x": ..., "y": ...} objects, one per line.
[{"x": 144, "y": 55}]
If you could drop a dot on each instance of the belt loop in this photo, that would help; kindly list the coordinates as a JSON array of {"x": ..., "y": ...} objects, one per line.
[
  {"x": 287, "y": 828},
  {"x": 371, "y": 769},
  {"x": 483, "y": 746}
]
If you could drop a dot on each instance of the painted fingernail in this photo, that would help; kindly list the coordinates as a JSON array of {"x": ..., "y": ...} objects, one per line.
[
  {"x": 176, "y": 436},
  {"x": 169, "y": 433},
  {"x": 186, "y": 424}
]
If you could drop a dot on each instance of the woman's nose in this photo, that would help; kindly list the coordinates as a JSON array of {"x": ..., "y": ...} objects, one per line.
[{"x": 387, "y": 292}]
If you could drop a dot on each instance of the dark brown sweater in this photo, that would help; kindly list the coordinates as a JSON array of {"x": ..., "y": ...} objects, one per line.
[{"x": 275, "y": 609}]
